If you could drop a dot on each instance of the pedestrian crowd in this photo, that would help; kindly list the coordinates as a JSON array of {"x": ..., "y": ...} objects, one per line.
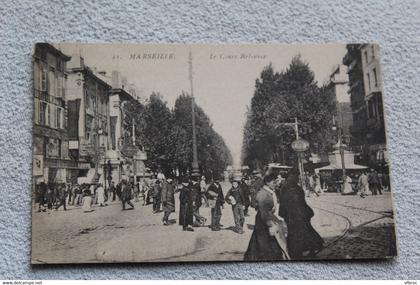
[
  {"x": 282, "y": 224},
  {"x": 364, "y": 183}
]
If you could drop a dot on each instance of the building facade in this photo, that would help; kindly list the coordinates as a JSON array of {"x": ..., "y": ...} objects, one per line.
[
  {"x": 118, "y": 161},
  {"x": 51, "y": 161},
  {"x": 372, "y": 76},
  {"x": 338, "y": 83},
  {"x": 365, "y": 82},
  {"x": 89, "y": 121},
  {"x": 119, "y": 164}
]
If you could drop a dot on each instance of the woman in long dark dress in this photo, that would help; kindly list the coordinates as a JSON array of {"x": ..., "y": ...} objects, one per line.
[
  {"x": 186, "y": 206},
  {"x": 302, "y": 239},
  {"x": 267, "y": 240}
]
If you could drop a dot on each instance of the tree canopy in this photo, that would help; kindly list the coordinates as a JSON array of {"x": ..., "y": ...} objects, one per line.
[
  {"x": 280, "y": 98},
  {"x": 166, "y": 135}
]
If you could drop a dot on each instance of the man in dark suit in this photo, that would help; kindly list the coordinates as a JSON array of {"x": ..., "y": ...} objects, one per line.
[
  {"x": 216, "y": 201},
  {"x": 168, "y": 199},
  {"x": 196, "y": 198},
  {"x": 61, "y": 196},
  {"x": 126, "y": 195},
  {"x": 157, "y": 196},
  {"x": 186, "y": 216}
]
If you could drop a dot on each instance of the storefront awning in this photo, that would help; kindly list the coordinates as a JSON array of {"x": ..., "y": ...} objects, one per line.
[{"x": 335, "y": 167}]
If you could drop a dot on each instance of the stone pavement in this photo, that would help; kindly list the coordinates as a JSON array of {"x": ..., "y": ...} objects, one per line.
[
  {"x": 111, "y": 235},
  {"x": 371, "y": 226}
]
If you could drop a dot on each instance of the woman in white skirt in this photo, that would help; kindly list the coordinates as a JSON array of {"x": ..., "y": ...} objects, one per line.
[
  {"x": 100, "y": 193},
  {"x": 87, "y": 201}
]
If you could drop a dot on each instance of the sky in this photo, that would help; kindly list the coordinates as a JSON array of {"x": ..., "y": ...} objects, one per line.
[{"x": 223, "y": 75}]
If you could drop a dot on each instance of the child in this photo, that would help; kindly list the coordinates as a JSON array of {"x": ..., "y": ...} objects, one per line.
[{"x": 236, "y": 198}]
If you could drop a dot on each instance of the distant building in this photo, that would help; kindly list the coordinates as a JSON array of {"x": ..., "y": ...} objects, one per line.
[
  {"x": 120, "y": 82},
  {"x": 117, "y": 97},
  {"x": 120, "y": 93},
  {"x": 338, "y": 82},
  {"x": 365, "y": 81},
  {"x": 51, "y": 162},
  {"x": 89, "y": 121},
  {"x": 372, "y": 75}
]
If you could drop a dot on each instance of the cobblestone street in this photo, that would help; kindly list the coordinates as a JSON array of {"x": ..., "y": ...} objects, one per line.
[
  {"x": 351, "y": 227},
  {"x": 370, "y": 226}
]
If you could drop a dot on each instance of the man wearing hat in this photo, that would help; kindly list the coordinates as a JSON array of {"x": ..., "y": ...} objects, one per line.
[
  {"x": 244, "y": 185},
  {"x": 256, "y": 184},
  {"x": 157, "y": 195},
  {"x": 61, "y": 196},
  {"x": 216, "y": 201},
  {"x": 236, "y": 198},
  {"x": 168, "y": 199},
  {"x": 126, "y": 195}
]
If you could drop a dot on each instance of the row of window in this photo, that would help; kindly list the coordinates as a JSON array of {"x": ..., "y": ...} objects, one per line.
[
  {"x": 53, "y": 60},
  {"x": 95, "y": 102},
  {"x": 375, "y": 78},
  {"x": 46, "y": 80},
  {"x": 374, "y": 108},
  {"x": 47, "y": 114},
  {"x": 372, "y": 54}
]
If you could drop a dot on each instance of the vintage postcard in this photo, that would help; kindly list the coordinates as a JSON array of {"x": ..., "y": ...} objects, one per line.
[{"x": 233, "y": 152}]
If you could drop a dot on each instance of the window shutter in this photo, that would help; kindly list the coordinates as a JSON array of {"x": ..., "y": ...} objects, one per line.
[
  {"x": 47, "y": 115},
  {"x": 62, "y": 119},
  {"x": 59, "y": 86},
  {"x": 43, "y": 80},
  {"x": 53, "y": 116},
  {"x": 51, "y": 83},
  {"x": 36, "y": 111}
]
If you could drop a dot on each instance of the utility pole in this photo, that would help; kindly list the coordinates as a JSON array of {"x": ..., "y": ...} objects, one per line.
[
  {"x": 295, "y": 126},
  {"x": 341, "y": 146},
  {"x": 134, "y": 155},
  {"x": 195, "y": 167},
  {"x": 133, "y": 135}
]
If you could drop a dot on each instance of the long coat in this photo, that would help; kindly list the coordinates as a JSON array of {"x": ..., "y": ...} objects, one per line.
[
  {"x": 256, "y": 185},
  {"x": 263, "y": 246},
  {"x": 186, "y": 206},
  {"x": 168, "y": 198},
  {"x": 245, "y": 193},
  {"x": 126, "y": 192},
  {"x": 157, "y": 190},
  {"x": 297, "y": 214},
  {"x": 61, "y": 192}
]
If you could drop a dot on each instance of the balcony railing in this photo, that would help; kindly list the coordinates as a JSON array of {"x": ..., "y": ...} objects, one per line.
[{"x": 44, "y": 96}]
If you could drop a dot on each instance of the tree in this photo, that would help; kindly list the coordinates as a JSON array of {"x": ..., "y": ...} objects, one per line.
[
  {"x": 153, "y": 128},
  {"x": 279, "y": 98},
  {"x": 167, "y": 136},
  {"x": 213, "y": 154}
]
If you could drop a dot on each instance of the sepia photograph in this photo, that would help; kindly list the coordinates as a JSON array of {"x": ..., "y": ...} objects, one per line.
[{"x": 209, "y": 152}]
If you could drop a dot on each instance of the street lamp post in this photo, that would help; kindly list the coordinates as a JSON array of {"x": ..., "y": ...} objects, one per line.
[
  {"x": 195, "y": 167},
  {"x": 341, "y": 148},
  {"x": 134, "y": 145},
  {"x": 300, "y": 146}
]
